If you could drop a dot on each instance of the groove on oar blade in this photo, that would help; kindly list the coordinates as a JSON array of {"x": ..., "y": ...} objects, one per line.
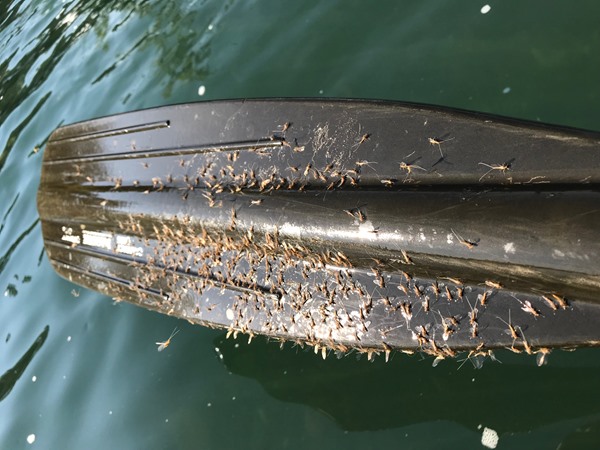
[
  {"x": 111, "y": 133},
  {"x": 179, "y": 151}
]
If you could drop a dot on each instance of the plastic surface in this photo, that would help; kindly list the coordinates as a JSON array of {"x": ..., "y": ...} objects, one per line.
[{"x": 341, "y": 224}]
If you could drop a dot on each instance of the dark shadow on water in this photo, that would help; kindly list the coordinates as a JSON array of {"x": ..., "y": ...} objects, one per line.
[
  {"x": 361, "y": 396},
  {"x": 9, "y": 378},
  {"x": 5, "y": 258},
  {"x": 12, "y": 205}
]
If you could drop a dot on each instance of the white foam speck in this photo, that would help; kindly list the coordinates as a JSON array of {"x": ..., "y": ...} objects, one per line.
[
  {"x": 509, "y": 247},
  {"x": 110, "y": 413},
  {"x": 489, "y": 438},
  {"x": 229, "y": 313},
  {"x": 68, "y": 19},
  {"x": 485, "y": 9},
  {"x": 34, "y": 378},
  {"x": 506, "y": 90},
  {"x": 68, "y": 338},
  {"x": 210, "y": 27},
  {"x": 209, "y": 404},
  {"x": 201, "y": 90},
  {"x": 31, "y": 438}
]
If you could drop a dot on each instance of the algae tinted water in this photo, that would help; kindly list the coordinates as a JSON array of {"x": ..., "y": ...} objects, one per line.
[{"x": 79, "y": 371}]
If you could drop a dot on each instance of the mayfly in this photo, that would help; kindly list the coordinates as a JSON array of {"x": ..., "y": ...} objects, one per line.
[
  {"x": 542, "y": 356},
  {"x": 468, "y": 244},
  {"x": 364, "y": 138},
  {"x": 501, "y": 167},
  {"x": 438, "y": 142},
  {"x": 409, "y": 168},
  {"x": 165, "y": 344}
]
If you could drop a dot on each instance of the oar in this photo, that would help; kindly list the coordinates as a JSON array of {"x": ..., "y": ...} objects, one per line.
[{"x": 341, "y": 224}]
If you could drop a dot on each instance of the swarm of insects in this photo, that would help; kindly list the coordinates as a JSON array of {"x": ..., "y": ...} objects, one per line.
[{"x": 229, "y": 264}]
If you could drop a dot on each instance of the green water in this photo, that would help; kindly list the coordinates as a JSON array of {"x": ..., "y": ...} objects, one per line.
[{"x": 81, "y": 372}]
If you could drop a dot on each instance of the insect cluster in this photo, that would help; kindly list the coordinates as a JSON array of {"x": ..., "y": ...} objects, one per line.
[{"x": 217, "y": 264}]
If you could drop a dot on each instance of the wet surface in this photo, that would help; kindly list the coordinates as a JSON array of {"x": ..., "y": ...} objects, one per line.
[{"x": 310, "y": 234}]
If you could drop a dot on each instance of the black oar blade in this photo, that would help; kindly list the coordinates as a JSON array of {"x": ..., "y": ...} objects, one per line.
[{"x": 346, "y": 225}]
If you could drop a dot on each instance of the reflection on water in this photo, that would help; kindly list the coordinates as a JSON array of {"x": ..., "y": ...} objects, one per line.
[
  {"x": 12, "y": 205},
  {"x": 9, "y": 378},
  {"x": 5, "y": 258},
  {"x": 35, "y": 39},
  {"x": 363, "y": 396},
  {"x": 11, "y": 289}
]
